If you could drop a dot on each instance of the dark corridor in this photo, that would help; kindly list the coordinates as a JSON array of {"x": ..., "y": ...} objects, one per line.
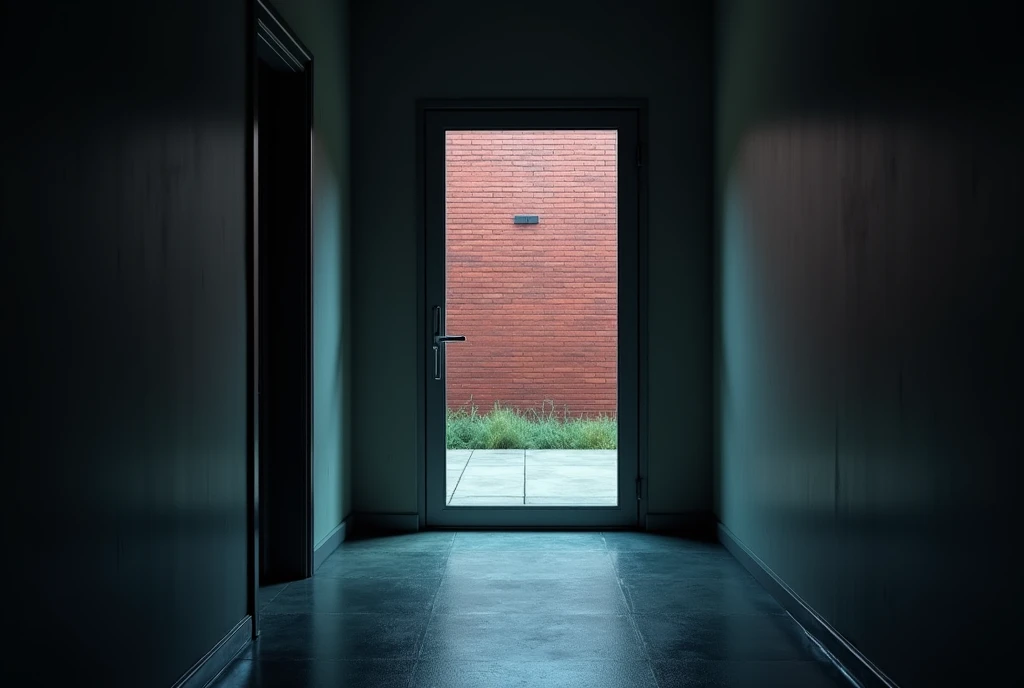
[{"x": 831, "y": 262}]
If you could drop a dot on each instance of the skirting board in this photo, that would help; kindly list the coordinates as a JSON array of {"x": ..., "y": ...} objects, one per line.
[
  {"x": 216, "y": 660},
  {"x": 698, "y": 525},
  {"x": 331, "y": 542},
  {"x": 849, "y": 658},
  {"x": 387, "y": 523}
]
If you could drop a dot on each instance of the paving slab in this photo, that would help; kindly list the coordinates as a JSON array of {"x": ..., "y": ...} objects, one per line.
[
  {"x": 552, "y": 476},
  {"x": 457, "y": 458},
  {"x": 572, "y": 501},
  {"x": 498, "y": 457},
  {"x": 573, "y": 457},
  {"x": 490, "y": 480},
  {"x": 572, "y": 481},
  {"x": 486, "y": 501}
]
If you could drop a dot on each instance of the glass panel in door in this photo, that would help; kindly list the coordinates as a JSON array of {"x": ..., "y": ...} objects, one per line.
[{"x": 531, "y": 256}]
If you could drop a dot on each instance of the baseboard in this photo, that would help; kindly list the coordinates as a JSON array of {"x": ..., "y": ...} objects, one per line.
[
  {"x": 387, "y": 523},
  {"x": 698, "y": 525},
  {"x": 331, "y": 542},
  {"x": 843, "y": 653},
  {"x": 217, "y": 659}
]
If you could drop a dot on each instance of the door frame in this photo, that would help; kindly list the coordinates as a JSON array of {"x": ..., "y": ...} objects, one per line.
[
  {"x": 639, "y": 107},
  {"x": 266, "y": 26}
]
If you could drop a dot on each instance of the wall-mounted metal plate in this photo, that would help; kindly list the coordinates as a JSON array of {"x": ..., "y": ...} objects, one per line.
[{"x": 526, "y": 219}]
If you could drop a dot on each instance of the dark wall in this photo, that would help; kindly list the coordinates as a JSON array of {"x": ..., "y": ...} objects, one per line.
[
  {"x": 869, "y": 374},
  {"x": 124, "y": 311}
]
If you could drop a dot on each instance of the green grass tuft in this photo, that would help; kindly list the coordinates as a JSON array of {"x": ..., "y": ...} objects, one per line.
[{"x": 510, "y": 428}]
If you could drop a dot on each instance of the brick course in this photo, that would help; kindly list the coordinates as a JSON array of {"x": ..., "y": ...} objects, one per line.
[{"x": 536, "y": 302}]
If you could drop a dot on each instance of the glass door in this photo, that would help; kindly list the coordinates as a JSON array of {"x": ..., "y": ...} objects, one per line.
[{"x": 532, "y": 303}]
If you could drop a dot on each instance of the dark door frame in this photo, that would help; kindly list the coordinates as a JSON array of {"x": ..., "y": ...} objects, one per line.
[
  {"x": 639, "y": 107},
  {"x": 273, "y": 42}
]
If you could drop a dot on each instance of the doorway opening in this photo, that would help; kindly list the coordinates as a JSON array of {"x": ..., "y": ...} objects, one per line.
[
  {"x": 532, "y": 290},
  {"x": 531, "y": 239},
  {"x": 282, "y": 534}
]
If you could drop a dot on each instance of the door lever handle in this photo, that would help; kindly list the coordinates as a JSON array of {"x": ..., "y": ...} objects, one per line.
[{"x": 440, "y": 339}]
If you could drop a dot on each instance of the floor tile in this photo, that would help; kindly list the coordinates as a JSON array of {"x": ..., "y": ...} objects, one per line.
[
  {"x": 698, "y": 595},
  {"x": 245, "y": 673},
  {"x": 626, "y": 541},
  {"x": 433, "y": 542},
  {"x": 526, "y": 540},
  {"x": 567, "y": 596},
  {"x": 357, "y": 595},
  {"x": 519, "y": 674},
  {"x": 525, "y": 564},
  {"x": 339, "y": 636},
  {"x": 383, "y": 564},
  {"x": 739, "y": 637},
  {"x": 529, "y": 609},
  {"x": 531, "y": 637},
  {"x": 697, "y": 673},
  {"x": 678, "y": 565}
]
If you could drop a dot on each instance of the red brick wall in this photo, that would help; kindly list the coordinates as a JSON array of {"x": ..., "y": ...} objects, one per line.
[{"x": 536, "y": 302}]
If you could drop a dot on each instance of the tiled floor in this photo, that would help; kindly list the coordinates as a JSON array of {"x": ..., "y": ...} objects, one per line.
[
  {"x": 524, "y": 477},
  {"x": 616, "y": 610}
]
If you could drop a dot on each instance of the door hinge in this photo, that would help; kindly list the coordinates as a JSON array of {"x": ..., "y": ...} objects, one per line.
[
  {"x": 639, "y": 156},
  {"x": 639, "y": 488}
]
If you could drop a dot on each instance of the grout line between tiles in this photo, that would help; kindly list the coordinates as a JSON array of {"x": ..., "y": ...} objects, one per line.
[
  {"x": 629, "y": 610},
  {"x": 433, "y": 604},
  {"x": 654, "y": 674},
  {"x": 433, "y": 600},
  {"x": 271, "y": 600}
]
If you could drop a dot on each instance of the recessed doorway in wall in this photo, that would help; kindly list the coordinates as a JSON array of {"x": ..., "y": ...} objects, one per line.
[{"x": 281, "y": 536}]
